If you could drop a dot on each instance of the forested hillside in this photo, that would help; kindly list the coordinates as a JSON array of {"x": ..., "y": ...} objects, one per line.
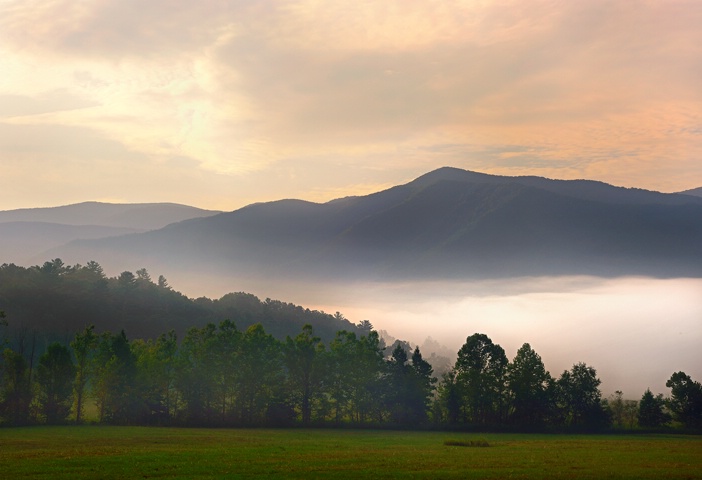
[{"x": 55, "y": 300}]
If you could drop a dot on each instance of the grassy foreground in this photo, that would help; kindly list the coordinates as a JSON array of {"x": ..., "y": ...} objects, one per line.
[{"x": 138, "y": 452}]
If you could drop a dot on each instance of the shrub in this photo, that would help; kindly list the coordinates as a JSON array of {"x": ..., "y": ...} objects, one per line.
[{"x": 467, "y": 443}]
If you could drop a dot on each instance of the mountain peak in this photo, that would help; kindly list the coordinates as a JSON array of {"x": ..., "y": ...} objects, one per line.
[{"x": 452, "y": 174}]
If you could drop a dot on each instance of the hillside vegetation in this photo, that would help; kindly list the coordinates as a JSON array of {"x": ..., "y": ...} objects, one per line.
[{"x": 56, "y": 300}]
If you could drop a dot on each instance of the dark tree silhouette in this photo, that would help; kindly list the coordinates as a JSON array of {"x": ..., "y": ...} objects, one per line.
[
  {"x": 686, "y": 399},
  {"x": 531, "y": 388},
  {"x": 652, "y": 412},
  {"x": 481, "y": 370},
  {"x": 579, "y": 397}
]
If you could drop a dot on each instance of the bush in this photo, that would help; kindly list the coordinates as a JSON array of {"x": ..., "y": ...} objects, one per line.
[{"x": 467, "y": 443}]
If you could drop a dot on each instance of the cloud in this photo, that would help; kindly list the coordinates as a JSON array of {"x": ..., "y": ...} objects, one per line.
[
  {"x": 39, "y": 160},
  {"x": 55, "y": 101},
  {"x": 114, "y": 29},
  {"x": 539, "y": 79},
  {"x": 569, "y": 90}
]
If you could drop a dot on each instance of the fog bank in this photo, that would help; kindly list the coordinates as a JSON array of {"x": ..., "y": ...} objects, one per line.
[{"x": 635, "y": 331}]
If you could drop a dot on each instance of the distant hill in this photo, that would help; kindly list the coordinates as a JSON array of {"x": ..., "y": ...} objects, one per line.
[
  {"x": 25, "y": 234},
  {"x": 20, "y": 242},
  {"x": 136, "y": 216},
  {"x": 449, "y": 223}
]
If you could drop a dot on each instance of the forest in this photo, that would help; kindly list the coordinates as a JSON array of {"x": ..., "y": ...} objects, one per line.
[{"x": 218, "y": 374}]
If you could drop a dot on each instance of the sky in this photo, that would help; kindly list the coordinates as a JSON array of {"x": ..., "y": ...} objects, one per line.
[{"x": 219, "y": 104}]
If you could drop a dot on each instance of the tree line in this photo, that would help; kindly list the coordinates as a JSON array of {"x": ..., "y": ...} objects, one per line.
[
  {"x": 218, "y": 375},
  {"x": 73, "y": 296}
]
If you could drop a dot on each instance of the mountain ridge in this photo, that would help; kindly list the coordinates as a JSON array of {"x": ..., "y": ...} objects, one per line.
[
  {"x": 446, "y": 223},
  {"x": 26, "y": 233},
  {"x": 139, "y": 216},
  {"x": 697, "y": 192}
]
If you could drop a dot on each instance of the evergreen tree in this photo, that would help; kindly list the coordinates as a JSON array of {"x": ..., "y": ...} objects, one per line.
[
  {"x": 450, "y": 397},
  {"x": 399, "y": 383},
  {"x": 651, "y": 410},
  {"x": 423, "y": 386}
]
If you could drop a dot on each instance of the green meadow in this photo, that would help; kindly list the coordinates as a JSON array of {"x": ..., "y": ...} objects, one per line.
[{"x": 143, "y": 452}]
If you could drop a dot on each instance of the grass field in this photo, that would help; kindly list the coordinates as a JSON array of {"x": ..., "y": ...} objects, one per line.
[{"x": 137, "y": 452}]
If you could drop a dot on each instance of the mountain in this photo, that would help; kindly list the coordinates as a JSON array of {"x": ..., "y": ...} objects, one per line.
[
  {"x": 20, "y": 242},
  {"x": 136, "y": 216},
  {"x": 449, "y": 223},
  {"x": 25, "y": 234},
  {"x": 697, "y": 192}
]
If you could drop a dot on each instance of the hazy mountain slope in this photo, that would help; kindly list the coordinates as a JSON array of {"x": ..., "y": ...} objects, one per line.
[
  {"x": 455, "y": 229},
  {"x": 138, "y": 216},
  {"x": 697, "y": 192},
  {"x": 22, "y": 242},
  {"x": 447, "y": 223}
]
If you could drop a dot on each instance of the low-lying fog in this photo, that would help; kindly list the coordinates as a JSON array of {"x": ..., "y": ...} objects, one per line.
[{"x": 635, "y": 331}]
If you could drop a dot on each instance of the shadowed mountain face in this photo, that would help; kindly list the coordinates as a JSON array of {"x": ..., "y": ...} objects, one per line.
[{"x": 448, "y": 223}]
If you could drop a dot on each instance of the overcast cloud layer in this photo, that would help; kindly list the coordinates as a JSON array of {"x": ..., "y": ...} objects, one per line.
[{"x": 222, "y": 103}]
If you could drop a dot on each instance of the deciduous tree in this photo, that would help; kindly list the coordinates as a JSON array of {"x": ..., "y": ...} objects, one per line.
[
  {"x": 16, "y": 395},
  {"x": 55, "y": 376},
  {"x": 685, "y": 399},
  {"x": 531, "y": 388},
  {"x": 481, "y": 370},
  {"x": 83, "y": 347},
  {"x": 114, "y": 385},
  {"x": 306, "y": 372},
  {"x": 579, "y": 397}
]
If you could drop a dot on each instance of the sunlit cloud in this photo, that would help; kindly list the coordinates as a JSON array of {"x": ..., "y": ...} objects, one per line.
[{"x": 600, "y": 90}]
